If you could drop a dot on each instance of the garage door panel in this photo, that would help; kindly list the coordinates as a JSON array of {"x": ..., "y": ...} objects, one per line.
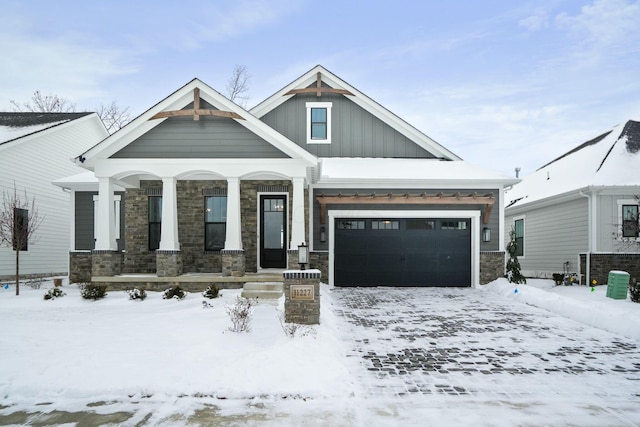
[{"x": 417, "y": 252}]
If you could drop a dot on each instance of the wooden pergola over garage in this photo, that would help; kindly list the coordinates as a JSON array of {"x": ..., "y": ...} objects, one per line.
[{"x": 487, "y": 201}]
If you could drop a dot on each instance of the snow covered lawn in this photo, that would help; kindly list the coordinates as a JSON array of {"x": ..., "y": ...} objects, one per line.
[{"x": 171, "y": 362}]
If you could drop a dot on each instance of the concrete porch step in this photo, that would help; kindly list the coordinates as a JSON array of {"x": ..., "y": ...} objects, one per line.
[{"x": 262, "y": 290}]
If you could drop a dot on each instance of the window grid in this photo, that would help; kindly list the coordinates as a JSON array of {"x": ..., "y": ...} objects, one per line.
[{"x": 215, "y": 222}]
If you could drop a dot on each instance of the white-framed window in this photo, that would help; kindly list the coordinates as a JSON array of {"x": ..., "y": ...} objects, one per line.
[
  {"x": 518, "y": 226},
  {"x": 318, "y": 122},
  {"x": 628, "y": 210}
]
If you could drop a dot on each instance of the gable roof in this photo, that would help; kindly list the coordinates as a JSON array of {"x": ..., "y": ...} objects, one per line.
[
  {"x": 16, "y": 125},
  {"x": 368, "y": 104},
  {"x": 610, "y": 159},
  {"x": 178, "y": 100}
]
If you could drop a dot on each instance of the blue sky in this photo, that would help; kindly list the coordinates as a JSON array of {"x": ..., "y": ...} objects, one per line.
[{"x": 502, "y": 83}]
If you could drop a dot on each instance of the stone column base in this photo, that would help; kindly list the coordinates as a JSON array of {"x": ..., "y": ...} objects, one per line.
[
  {"x": 168, "y": 263},
  {"x": 80, "y": 267},
  {"x": 302, "y": 296},
  {"x": 106, "y": 263},
  {"x": 233, "y": 263}
]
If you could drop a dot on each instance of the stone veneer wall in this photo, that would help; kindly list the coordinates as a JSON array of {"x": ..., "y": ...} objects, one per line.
[
  {"x": 320, "y": 261},
  {"x": 168, "y": 263},
  {"x": 80, "y": 266},
  {"x": 249, "y": 208},
  {"x": 191, "y": 227},
  {"x": 138, "y": 258},
  {"x": 603, "y": 263},
  {"x": 492, "y": 265},
  {"x": 190, "y": 198}
]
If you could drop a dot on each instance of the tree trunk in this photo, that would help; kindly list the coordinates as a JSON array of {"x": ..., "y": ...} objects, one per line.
[{"x": 17, "y": 272}]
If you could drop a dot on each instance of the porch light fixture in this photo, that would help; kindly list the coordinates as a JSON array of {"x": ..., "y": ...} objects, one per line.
[
  {"x": 303, "y": 255},
  {"x": 486, "y": 234},
  {"x": 323, "y": 234}
]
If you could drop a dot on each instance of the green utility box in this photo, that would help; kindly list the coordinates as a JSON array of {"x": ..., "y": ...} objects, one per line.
[{"x": 617, "y": 284}]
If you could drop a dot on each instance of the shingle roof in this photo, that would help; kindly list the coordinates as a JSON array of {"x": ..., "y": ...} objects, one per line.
[
  {"x": 610, "y": 159},
  {"x": 21, "y": 119},
  {"x": 16, "y": 125}
]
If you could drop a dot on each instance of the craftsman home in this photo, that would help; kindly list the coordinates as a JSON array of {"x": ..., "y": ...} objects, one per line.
[
  {"x": 35, "y": 149},
  {"x": 197, "y": 184},
  {"x": 578, "y": 214}
]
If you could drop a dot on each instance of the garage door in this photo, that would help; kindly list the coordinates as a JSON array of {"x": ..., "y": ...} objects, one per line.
[{"x": 402, "y": 252}]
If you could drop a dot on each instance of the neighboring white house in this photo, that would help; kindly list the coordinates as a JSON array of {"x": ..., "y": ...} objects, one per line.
[
  {"x": 579, "y": 213},
  {"x": 35, "y": 149}
]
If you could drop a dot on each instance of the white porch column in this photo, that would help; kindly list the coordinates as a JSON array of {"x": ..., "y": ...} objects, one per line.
[
  {"x": 298, "y": 218},
  {"x": 233, "y": 239},
  {"x": 105, "y": 230},
  {"x": 169, "y": 226}
]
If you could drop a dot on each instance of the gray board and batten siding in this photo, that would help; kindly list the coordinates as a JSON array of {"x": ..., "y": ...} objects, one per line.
[
  {"x": 84, "y": 220},
  {"x": 493, "y": 224},
  {"x": 210, "y": 137},
  {"x": 355, "y": 131}
]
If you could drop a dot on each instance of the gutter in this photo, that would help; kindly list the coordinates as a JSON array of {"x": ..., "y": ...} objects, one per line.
[{"x": 591, "y": 224}]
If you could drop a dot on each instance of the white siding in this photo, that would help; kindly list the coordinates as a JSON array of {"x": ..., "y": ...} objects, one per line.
[
  {"x": 33, "y": 163},
  {"x": 553, "y": 235}
]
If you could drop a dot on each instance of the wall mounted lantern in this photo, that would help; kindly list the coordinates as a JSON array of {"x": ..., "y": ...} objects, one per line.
[
  {"x": 323, "y": 234},
  {"x": 486, "y": 234},
  {"x": 303, "y": 255}
]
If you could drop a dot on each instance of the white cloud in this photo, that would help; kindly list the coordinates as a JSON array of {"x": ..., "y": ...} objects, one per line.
[
  {"x": 68, "y": 65},
  {"x": 605, "y": 23},
  {"x": 539, "y": 20}
]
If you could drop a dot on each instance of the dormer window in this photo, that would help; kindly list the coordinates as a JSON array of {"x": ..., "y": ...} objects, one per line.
[{"x": 318, "y": 122}]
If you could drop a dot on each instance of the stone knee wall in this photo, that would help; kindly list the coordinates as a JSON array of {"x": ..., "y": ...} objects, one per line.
[
  {"x": 603, "y": 263},
  {"x": 168, "y": 263},
  {"x": 492, "y": 265},
  {"x": 106, "y": 263}
]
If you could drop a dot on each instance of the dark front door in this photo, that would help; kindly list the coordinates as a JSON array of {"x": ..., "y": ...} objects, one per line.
[{"x": 273, "y": 231}]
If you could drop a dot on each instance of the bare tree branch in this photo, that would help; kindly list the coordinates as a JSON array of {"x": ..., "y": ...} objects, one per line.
[
  {"x": 238, "y": 85},
  {"x": 113, "y": 116},
  {"x": 40, "y": 103},
  {"x": 19, "y": 221}
]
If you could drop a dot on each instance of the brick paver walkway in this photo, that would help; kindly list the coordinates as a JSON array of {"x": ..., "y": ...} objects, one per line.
[{"x": 453, "y": 342}]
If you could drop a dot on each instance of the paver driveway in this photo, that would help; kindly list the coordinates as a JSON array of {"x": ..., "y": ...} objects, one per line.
[{"x": 472, "y": 344}]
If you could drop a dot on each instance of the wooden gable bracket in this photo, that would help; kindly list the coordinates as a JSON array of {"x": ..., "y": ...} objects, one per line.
[
  {"x": 196, "y": 111},
  {"x": 406, "y": 199},
  {"x": 319, "y": 90}
]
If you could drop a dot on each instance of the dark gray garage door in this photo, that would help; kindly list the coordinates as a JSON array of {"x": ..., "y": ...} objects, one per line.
[{"x": 402, "y": 252}]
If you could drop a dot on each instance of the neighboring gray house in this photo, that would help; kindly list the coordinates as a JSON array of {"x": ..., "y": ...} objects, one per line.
[
  {"x": 197, "y": 184},
  {"x": 35, "y": 149},
  {"x": 579, "y": 213}
]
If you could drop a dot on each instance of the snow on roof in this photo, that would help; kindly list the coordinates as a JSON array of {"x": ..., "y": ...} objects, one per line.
[
  {"x": 610, "y": 159},
  {"x": 389, "y": 170},
  {"x": 9, "y": 133}
]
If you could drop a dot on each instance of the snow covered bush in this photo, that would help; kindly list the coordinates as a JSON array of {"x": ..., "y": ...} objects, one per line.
[
  {"x": 634, "y": 292},
  {"x": 211, "y": 292},
  {"x": 513, "y": 265},
  {"x": 54, "y": 293},
  {"x": 174, "y": 292},
  {"x": 35, "y": 282},
  {"x": 91, "y": 291},
  {"x": 137, "y": 294},
  {"x": 240, "y": 313}
]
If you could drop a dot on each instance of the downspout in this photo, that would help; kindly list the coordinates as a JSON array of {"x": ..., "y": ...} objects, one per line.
[{"x": 590, "y": 222}]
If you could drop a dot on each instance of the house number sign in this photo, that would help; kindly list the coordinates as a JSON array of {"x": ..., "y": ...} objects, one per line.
[{"x": 301, "y": 292}]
